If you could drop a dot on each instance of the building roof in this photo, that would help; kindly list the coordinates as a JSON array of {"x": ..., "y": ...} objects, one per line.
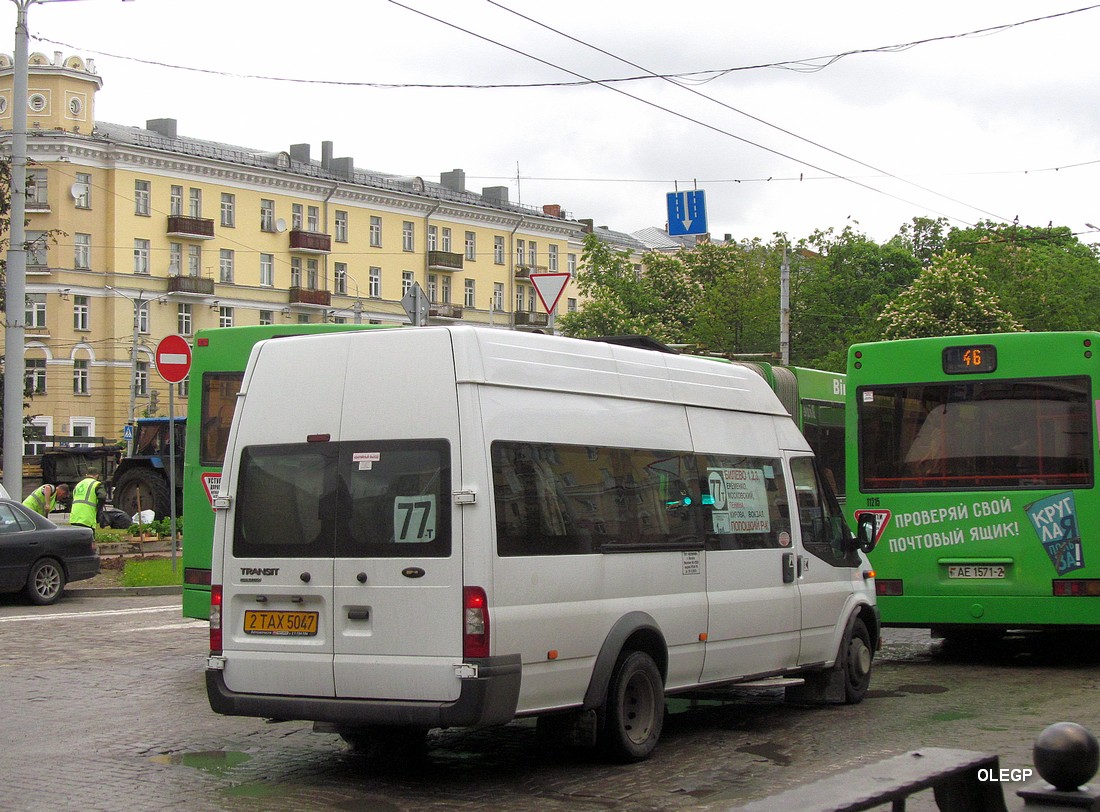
[
  {"x": 618, "y": 239},
  {"x": 658, "y": 239}
]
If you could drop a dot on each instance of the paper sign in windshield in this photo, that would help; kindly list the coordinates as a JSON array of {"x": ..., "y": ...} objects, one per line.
[
  {"x": 414, "y": 519},
  {"x": 740, "y": 500}
]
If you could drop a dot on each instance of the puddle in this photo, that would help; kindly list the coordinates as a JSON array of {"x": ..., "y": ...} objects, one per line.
[
  {"x": 772, "y": 752},
  {"x": 217, "y": 762}
]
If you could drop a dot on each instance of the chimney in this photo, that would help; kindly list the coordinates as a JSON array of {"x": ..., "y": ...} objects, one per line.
[
  {"x": 496, "y": 195},
  {"x": 299, "y": 153},
  {"x": 162, "y": 126},
  {"x": 552, "y": 210},
  {"x": 455, "y": 180},
  {"x": 343, "y": 167},
  {"x": 587, "y": 223},
  {"x": 326, "y": 154}
]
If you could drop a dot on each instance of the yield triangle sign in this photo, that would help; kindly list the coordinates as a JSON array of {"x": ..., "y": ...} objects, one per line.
[{"x": 549, "y": 287}]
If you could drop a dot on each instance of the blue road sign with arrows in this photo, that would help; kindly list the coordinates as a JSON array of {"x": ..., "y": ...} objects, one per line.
[{"x": 687, "y": 213}]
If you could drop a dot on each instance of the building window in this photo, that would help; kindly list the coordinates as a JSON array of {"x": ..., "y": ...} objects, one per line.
[
  {"x": 83, "y": 190},
  {"x": 82, "y": 251},
  {"x": 498, "y": 296},
  {"x": 571, "y": 304},
  {"x": 521, "y": 256},
  {"x": 313, "y": 219},
  {"x": 445, "y": 242},
  {"x": 195, "y": 202},
  {"x": 433, "y": 288},
  {"x": 433, "y": 237},
  {"x": 225, "y": 265},
  {"x": 225, "y": 316},
  {"x": 81, "y": 313},
  {"x": 35, "y": 316},
  {"x": 143, "y": 319},
  {"x": 471, "y": 246},
  {"x": 341, "y": 226},
  {"x": 376, "y": 232},
  {"x": 445, "y": 293},
  {"x": 267, "y": 215},
  {"x": 571, "y": 264},
  {"x": 552, "y": 257},
  {"x": 194, "y": 260},
  {"x": 183, "y": 319},
  {"x": 498, "y": 250},
  {"x": 311, "y": 274},
  {"x": 175, "y": 258},
  {"x": 141, "y": 257},
  {"x": 532, "y": 254},
  {"x": 141, "y": 198},
  {"x": 175, "y": 201},
  {"x": 295, "y": 272},
  {"x": 183, "y": 388},
  {"x": 35, "y": 381},
  {"x": 303, "y": 318},
  {"x": 80, "y": 376},
  {"x": 267, "y": 270},
  {"x": 531, "y": 299},
  {"x": 407, "y": 236},
  {"x": 406, "y": 282},
  {"x": 141, "y": 379},
  {"x": 296, "y": 216},
  {"x": 374, "y": 283},
  {"x": 229, "y": 205},
  {"x": 267, "y": 317},
  {"x": 38, "y": 190},
  {"x": 519, "y": 297},
  {"x": 38, "y": 249},
  {"x": 468, "y": 298},
  {"x": 340, "y": 278}
]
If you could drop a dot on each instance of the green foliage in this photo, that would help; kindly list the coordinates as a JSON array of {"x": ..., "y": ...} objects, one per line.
[
  {"x": 152, "y": 572},
  {"x": 162, "y": 528},
  {"x": 948, "y": 298}
]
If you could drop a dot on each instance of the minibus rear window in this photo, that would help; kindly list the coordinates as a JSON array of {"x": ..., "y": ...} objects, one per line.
[{"x": 362, "y": 499}]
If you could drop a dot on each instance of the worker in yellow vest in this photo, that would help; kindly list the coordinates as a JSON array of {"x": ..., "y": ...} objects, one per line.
[
  {"x": 43, "y": 500},
  {"x": 88, "y": 500}
]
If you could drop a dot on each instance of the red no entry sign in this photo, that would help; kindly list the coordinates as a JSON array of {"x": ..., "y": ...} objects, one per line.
[{"x": 173, "y": 358}]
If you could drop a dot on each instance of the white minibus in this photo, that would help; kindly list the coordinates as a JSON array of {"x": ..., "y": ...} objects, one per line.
[{"x": 460, "y": 526}]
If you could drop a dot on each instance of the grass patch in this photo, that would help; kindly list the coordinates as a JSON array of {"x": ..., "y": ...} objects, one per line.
[{"x": 152, "y": 572}]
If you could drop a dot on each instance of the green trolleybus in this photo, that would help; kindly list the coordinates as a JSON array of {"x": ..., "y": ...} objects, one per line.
[
  {"x": 977, "y": 456},
  {"x": 218, "y": 360}
]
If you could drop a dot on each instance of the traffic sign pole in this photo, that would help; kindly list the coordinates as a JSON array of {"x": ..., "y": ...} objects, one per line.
[{"x": 173, "y": 360}]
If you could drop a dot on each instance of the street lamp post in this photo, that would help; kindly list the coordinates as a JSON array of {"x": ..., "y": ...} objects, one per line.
[{"x": 140, "y": 303}]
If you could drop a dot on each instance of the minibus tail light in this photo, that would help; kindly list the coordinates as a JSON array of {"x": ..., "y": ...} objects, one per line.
[
  {"x": 475, "y": 622},
  {"x": 216, "y": 619}
]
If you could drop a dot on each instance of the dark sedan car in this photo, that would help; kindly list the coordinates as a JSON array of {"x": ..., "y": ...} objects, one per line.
[{"x": 38, "y": 557}]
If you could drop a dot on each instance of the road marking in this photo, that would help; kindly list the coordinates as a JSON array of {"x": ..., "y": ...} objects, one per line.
[{"x": 98, "y": 613}]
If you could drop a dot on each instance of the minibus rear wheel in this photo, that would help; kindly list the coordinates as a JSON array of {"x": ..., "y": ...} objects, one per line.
[{"x": 635, "y": 711}]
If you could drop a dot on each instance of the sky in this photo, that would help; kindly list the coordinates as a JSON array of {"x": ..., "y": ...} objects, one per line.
[{"x": 791, "y": 116}]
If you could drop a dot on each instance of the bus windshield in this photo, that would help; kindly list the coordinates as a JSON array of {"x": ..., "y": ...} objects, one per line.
[{"x": 1003, "y": 434}]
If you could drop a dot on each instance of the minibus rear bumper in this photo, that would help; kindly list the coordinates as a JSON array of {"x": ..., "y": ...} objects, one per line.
[{"x": 490, "y": 698}]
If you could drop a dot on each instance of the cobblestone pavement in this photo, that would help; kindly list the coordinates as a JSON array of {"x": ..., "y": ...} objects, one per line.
[{"x": 104, "y": 708}]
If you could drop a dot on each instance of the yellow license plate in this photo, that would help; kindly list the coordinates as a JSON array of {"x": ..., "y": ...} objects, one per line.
[{"x": 286, "y": 624}]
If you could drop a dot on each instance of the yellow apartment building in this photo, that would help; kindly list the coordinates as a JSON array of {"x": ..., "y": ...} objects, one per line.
[{"x": 142, "y": 232}]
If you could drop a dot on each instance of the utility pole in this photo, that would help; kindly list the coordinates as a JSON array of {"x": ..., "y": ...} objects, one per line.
[{"x": 785, "y": 309}]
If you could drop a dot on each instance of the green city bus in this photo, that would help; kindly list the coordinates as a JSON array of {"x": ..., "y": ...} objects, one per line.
[
  {"x": 977, "y": 456},
  {"x": 218, "y": 359}
]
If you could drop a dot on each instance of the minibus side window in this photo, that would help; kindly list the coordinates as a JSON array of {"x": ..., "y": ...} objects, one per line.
[{"x": 744, "y": 502}]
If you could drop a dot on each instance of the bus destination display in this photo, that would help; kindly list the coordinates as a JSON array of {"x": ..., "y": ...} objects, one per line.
[{"x": 969, "y": 359}]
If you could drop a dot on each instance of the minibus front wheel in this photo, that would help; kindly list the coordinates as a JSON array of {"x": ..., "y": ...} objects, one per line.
[{"x": 635, "y": 711}]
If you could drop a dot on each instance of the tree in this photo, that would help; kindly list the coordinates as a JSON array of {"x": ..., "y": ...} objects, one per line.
[
  {"x": 738, "y": 304},
  {"x": 949, "y": 297}
]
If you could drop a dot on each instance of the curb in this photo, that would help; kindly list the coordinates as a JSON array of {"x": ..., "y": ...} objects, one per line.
[{"x": 115, "y": 591}]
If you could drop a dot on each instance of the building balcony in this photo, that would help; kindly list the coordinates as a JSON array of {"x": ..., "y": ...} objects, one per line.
[
  {"x": 445, "y": 311},
  {"x": 192, "y": 228},
  {"x": 524, "y": 271},
  {"x": 526, "y": 318},
  {"x": 310, "y": 242},
  {"x": 444, "y": 261},
  {"x": 312, "y": 297},
  {"x": 191, "y": 284}
]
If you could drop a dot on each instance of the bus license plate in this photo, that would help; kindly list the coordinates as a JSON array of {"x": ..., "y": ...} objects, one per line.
[
  {"x": 283, "y": 624},
  {"x": 976, "y": 571}
]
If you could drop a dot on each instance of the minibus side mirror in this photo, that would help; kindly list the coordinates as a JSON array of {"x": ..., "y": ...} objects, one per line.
[{"x": 865, "y": 532}]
